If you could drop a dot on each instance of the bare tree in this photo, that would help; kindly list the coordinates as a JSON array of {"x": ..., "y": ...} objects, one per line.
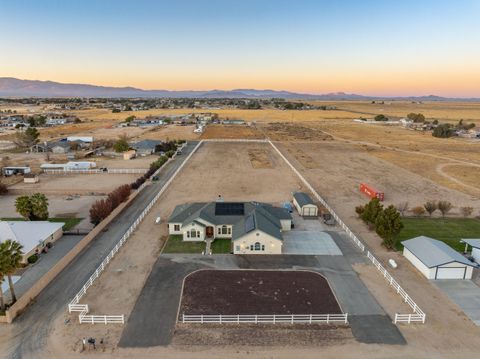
[
  {"x": 402, "y": 207},
  {"x": 430, "y": 207},
  {"x": 444, "y": 207},
  {"x": 466, "y": 211}
]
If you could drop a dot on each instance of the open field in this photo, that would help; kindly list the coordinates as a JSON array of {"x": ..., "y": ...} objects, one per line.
[
  {"x": 448, "y": 230},
  {"x": 211, "y": 292},
  {"x": 231, "y": 131}
]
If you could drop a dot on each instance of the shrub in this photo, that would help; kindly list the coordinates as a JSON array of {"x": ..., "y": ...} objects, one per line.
[
  {"x": 418, "y": 211},
  {"x": 32, "y": 259},
  {"x": 100, "y": 210},
  {"x": 3, "y": 189},
  {"x": 466, "y": 211},
  {"x": 444, "y": 207},
  {"x": 402, "y": 207},
  {"x": 359, "y": 210},
  {"x": 381, "y": 118}
]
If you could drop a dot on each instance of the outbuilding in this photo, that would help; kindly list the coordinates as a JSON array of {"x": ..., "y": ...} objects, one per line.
[
  {"x": 475, "y": 244},
  {"x": 32, "y": 235},
  {"x": 305, "y": 205},
  {"x": 437, "y": 260}
]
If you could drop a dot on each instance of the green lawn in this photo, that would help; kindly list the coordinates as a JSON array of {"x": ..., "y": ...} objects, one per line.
[
  {"x": 69, "y": 222},
  {"x": 221, "y": 245},
  {"x": 448, "y": 230},
  {"x": 175, "y": 244}
]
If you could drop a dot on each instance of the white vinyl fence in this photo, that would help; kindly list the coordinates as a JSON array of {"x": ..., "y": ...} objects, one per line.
[
  {"x": 74, "y": 305},
  {"x": 419, "y": 315},
  {"x": 95, "y": 171},
  {"x": 267, "y": 319}
]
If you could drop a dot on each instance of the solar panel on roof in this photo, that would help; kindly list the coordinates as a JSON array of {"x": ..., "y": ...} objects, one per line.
[
  {"x": 229, "y": 209},
  {"x": 249, "y": 223}
]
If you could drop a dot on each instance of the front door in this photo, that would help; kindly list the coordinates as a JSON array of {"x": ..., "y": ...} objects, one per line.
[{"x": 209, "y": 232}]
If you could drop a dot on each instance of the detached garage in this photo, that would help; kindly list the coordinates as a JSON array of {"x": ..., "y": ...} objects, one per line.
[
  {"x": 304, "y": 205},
  {"x": 436, "y": 260}
]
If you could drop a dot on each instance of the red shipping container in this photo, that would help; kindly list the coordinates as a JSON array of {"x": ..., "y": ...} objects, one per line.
[{"x": 371, "y": 192}]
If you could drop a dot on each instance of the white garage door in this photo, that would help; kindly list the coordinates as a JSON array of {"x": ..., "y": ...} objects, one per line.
[{"x": 450, "y": 273}]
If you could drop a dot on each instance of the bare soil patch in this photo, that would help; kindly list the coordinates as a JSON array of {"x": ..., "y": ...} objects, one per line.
[
  {"x": 285, "y": 131},
  {"x": 257, "y": 292},
  {"x": 259, "y": 158},
  {"x": 231, "y": 131}
]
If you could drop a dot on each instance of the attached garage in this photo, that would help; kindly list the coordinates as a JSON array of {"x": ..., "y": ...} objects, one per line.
[
  {"x": 305, "y": 205},
  {"x": 436, "y": 260}
]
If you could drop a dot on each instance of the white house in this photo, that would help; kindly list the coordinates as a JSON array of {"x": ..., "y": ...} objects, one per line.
[
  {"x": 32, "y": 235},
  {"x": 437, "y": 260},
  {"x": 254, "y": 228},
  {"x": 475, "y": 244},
  {"x": 305, "y": 205}
]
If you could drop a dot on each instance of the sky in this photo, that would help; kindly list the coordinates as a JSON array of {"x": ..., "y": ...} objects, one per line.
[{"x": 373, "y": 47}]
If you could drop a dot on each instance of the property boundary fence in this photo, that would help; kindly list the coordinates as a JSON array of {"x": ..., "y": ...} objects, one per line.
[
  {"x": 261, "y": 140},
  {"x": 96, "y": 171},
  {"x": 419, "y": 315},
  {"x": 267, "y": 319},
  {"x": 74, "y": 305}
]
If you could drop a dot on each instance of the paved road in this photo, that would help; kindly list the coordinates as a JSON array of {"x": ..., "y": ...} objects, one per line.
[{"x": 30, "y": 330}]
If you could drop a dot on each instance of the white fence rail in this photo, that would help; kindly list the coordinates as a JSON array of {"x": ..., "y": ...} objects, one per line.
[
  {"x": 83, "y": 317},
  {"x": 267, "y": 319},
  {"x": 96, "y": 171},
  {"x": 419, "y": 315},
  {"x": 236, "y": 140},
  {"x": 74, "y": 305}
]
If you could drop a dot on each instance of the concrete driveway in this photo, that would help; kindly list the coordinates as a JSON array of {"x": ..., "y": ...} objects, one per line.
[
  {"x": 465, "y": 293},
  {"x": 309, "y": 243}
]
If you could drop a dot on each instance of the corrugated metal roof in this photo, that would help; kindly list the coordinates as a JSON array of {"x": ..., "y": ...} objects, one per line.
[
  {"x": 433, "y": 253},
  {"x": 302, "y": 198}
]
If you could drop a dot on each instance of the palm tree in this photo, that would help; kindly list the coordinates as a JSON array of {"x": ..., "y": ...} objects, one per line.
[{"x": 11, "y": 255}]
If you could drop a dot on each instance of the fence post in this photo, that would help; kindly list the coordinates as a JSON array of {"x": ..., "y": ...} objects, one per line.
[
  {"x": 328, "y": 318},
  {"x": 201, "y": 318},
  {"x": 310, "y": 319},
  {"x": 238, "y": 318}
]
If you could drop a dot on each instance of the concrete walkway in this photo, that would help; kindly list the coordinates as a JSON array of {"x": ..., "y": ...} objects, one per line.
[{"x": 465, "y": 293}]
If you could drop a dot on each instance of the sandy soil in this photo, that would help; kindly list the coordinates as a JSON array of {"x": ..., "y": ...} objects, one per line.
[
  {"x": 118, "y": 162},
  {"x": 171, "y": 132},
  {"x": 231, "y": 131},
  {"x": 96, "y": 184}
]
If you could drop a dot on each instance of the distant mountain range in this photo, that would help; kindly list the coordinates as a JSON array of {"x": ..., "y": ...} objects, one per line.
[{"x": 13, "y": 87}]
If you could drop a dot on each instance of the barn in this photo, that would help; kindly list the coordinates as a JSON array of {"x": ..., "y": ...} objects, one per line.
[
  {"x": 437, "y": 260},
  {"x": 305, "y": 205}
]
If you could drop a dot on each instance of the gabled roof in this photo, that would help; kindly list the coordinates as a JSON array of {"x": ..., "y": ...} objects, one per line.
[
  {"x": 475, "y": 243},
  {"x": 28, "y": 233},
  {"x": 146, "y": 144},
  {"x": 434, "y": 253},
  {"x": 302, "y": 198}
]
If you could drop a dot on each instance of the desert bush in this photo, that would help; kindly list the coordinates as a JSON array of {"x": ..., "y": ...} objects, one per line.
[
  {"x": 466, "y": 211},
  {"x": 418, "y": 211},
  {"x": 359, "y": 210}
]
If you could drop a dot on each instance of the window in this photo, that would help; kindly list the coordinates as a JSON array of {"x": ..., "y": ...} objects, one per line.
[
  {"x": 219, "y": 230},
  {"x": 198, "y": 234},
  {"x": 188, "y": 234},
  {"x": 237, "y": 248},
  {"x": 263, "y": 247},
  {"x": 193, "y": 233},
  {"x": 176, "y": 227},
  {"x": 225, "y": 230},
  {"x": 251, "y": 247},
  {"x": 229, "y": 230},
  {"x": 257, "y": 246}
]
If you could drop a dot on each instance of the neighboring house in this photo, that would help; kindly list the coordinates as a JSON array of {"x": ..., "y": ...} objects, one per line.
[
  {"x": 233, "y": 122},
  {"x": 254, "y": 228},
  {"x": 83, "y": 139},
  {"x": 305, "y": 205},
  {"x": 14, "y": 170},
  {"x": 32, "y": 235},
  {"x": 59, "y": 147},
  {"x": 146, "y": 147},
  {"x": 475, "y": 244},
  {"x": 437, "y": 260}
]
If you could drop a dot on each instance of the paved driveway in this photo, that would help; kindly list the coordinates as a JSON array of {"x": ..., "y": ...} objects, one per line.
[
  {"x": 309, "y": 243},
  {"x": 465, "y": 293}
]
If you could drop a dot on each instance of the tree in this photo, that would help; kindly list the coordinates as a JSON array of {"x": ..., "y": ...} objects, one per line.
[
  {"x": 121, "y": 145},
  {"x": 39, "y": 204},
  {"x": 418, "y": 211},
  {"x": 444, "y": 207},
  {"x": 402, "y": 207},
  {"x": 381, "y": 118},
  {"x": 33, "y": 208},
  {"x": 466, "y": 211},
  {"x": 130, "y": 119},
  {"x": 372, "y": 210},
  {"x": 100, "y": 210},
  {"x": 11, "y": 255},
  {"x": 416, "y": 117},
  {"x": 430, "y": 207},
  {"x": 23, "y": 206},
  {"x": 388, "y": 225},
  {"x": 27, "y": 138},
  {"x": 443, "y": 131}
]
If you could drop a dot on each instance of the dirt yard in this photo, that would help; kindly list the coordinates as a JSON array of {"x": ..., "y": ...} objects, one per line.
[
  {"x": 231, "y": 131},
  {"x": 257, "y": 292},
  {"x": 71, "y": 184},
  {"x": 260, "y": 158}
]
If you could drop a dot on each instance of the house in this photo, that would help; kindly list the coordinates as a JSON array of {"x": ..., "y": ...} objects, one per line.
[
  {"x": 32, "y": 235},
  {"x": 146, "y": 147},
  {"x": 475, "y": 244},
  {"x": 305, "y": 205},
  {"x": 254, "y": 228},
  {"x": 14, "y": 170},
  {"x": 437, "y": 260},
  {"x": 59, "y": 147}
]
